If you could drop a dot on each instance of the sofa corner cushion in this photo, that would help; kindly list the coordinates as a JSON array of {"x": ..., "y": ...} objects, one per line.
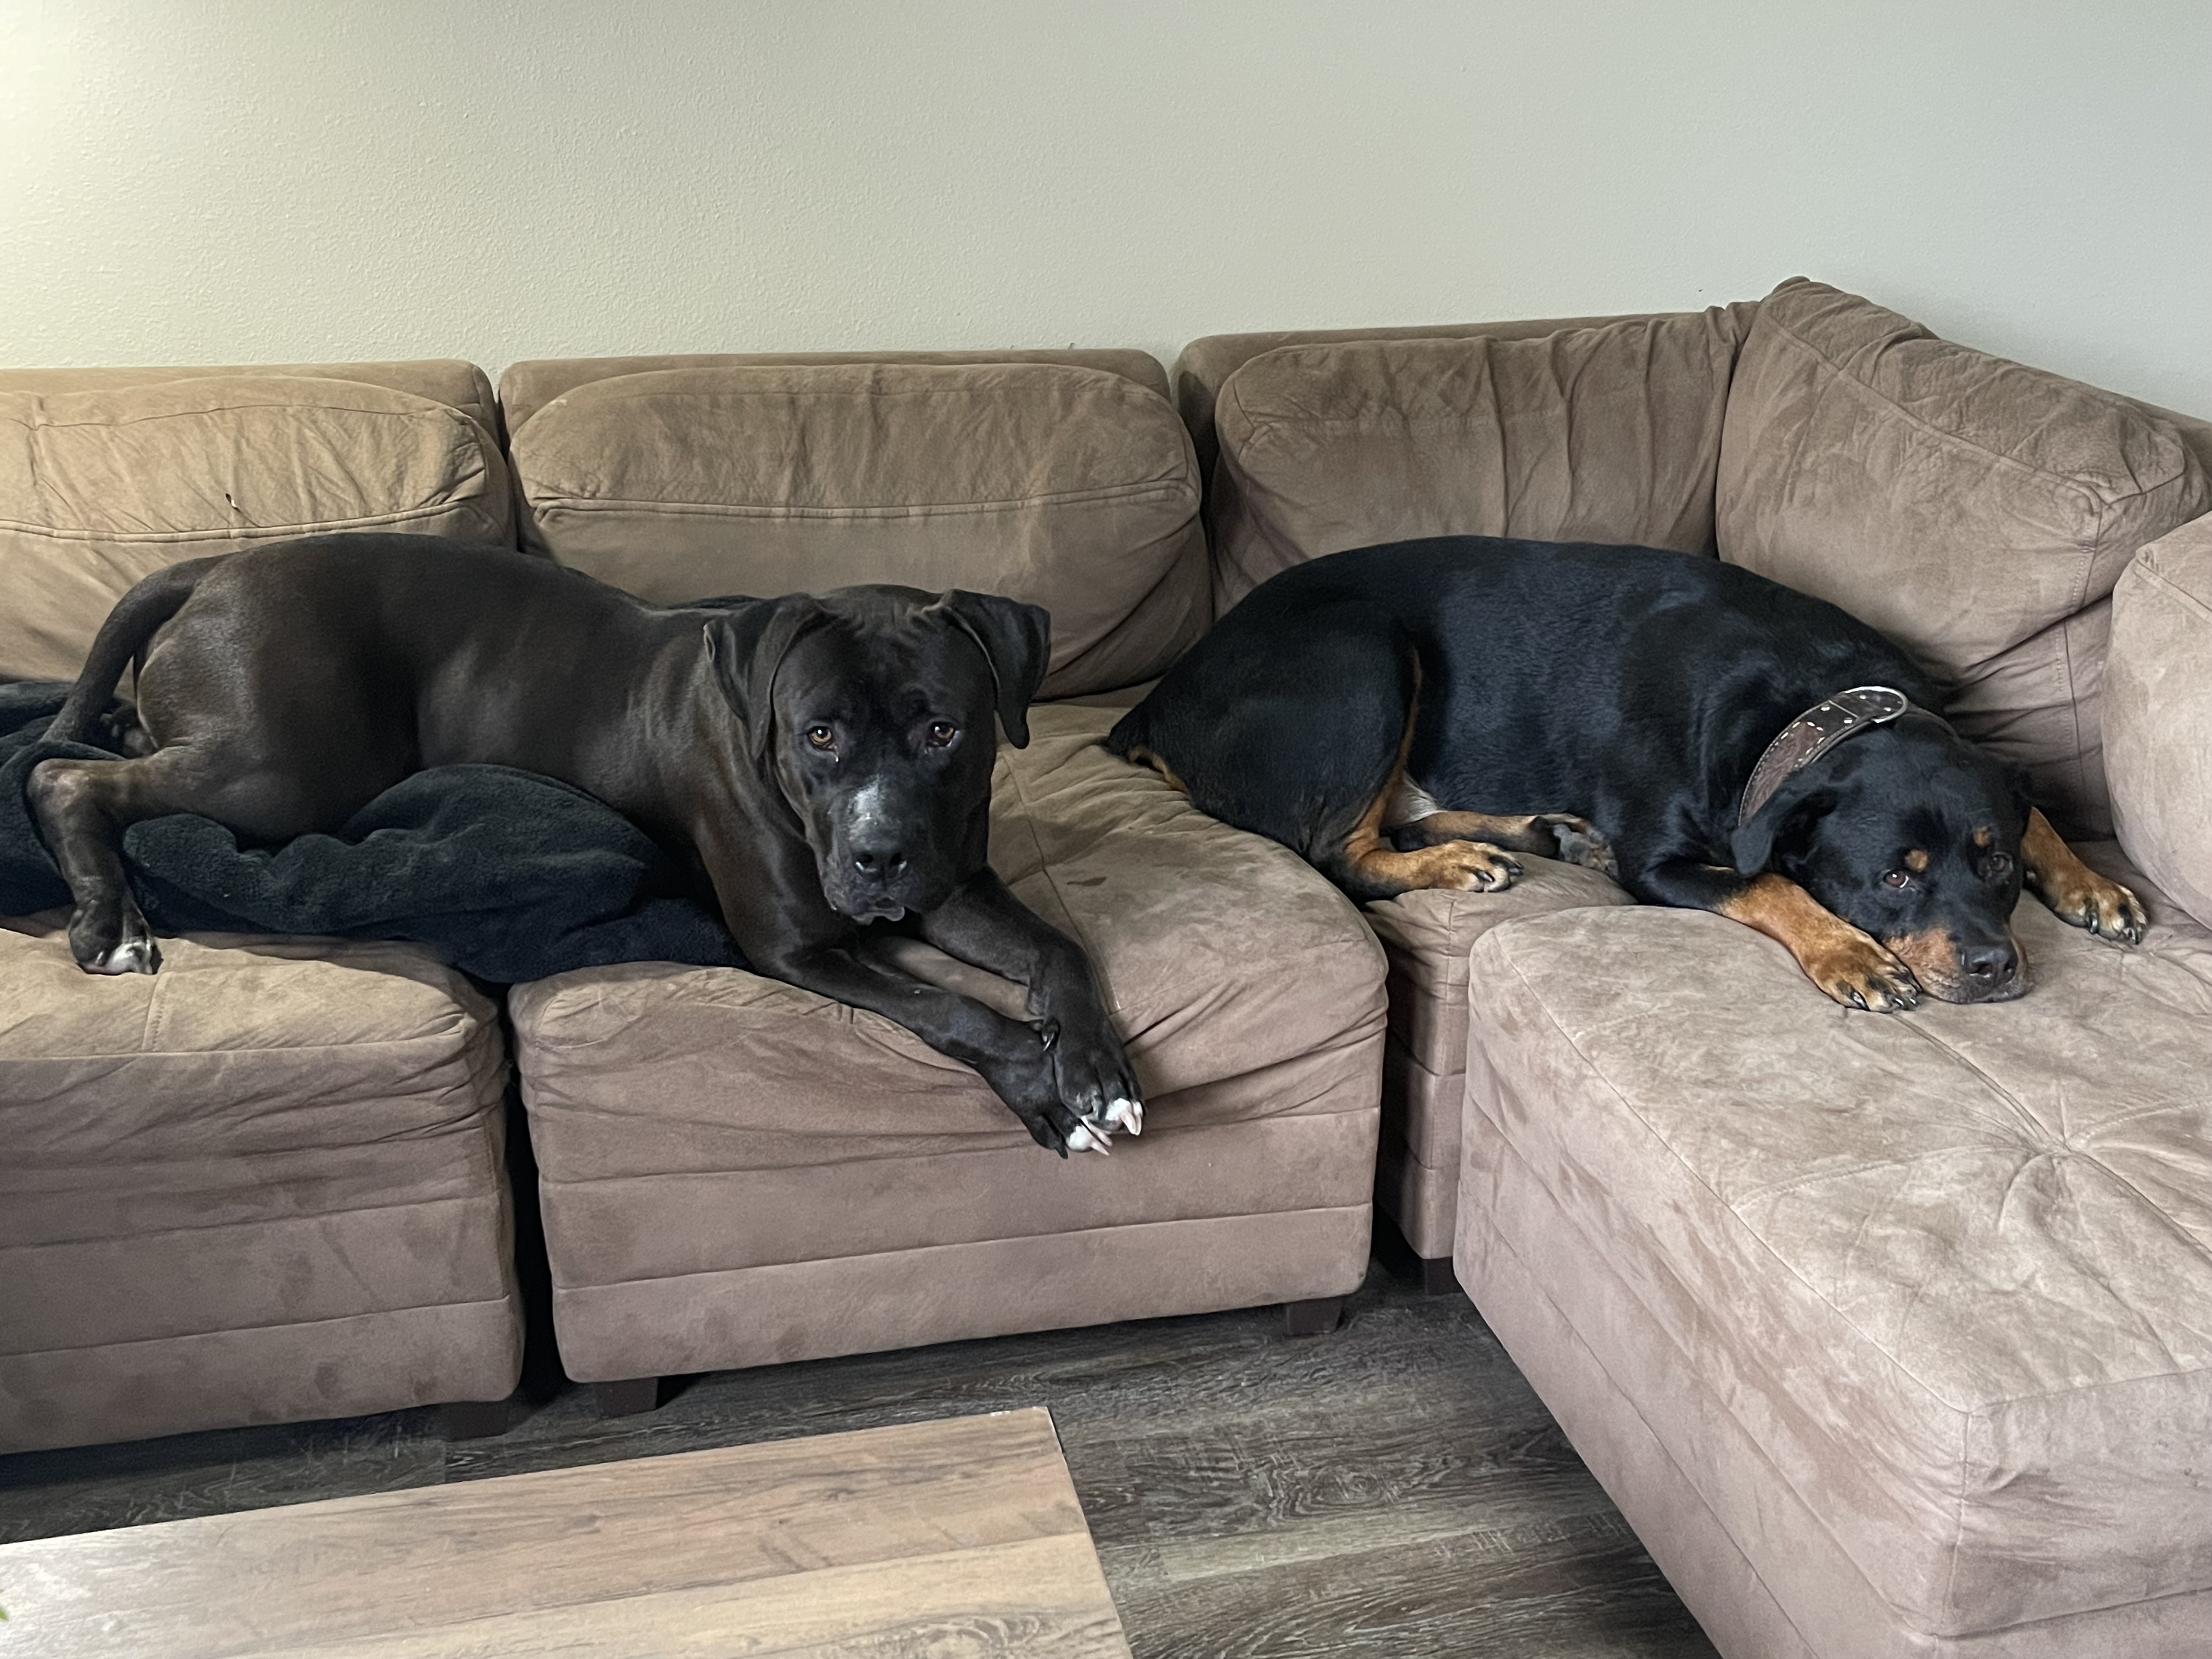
[
  {"x": 1069, "y": 486},
  {"x": 102, "y": 483},
  {"x": 1605, "y": 434},
  {"x": 1946, "y": 1270},
  {"x": 2158, "y": 714},
  {"x": 1975, "y": 510}
]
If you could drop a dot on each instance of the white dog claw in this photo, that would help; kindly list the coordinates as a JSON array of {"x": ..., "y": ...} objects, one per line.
[
  {"x": 1084, "y": 1138},
  {"x": 1125, "y": 1113}
]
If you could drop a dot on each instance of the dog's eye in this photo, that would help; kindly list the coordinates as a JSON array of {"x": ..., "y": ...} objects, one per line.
[
  {"x": 821, "y": 736},
  {"x": 942, "y": 732},
  {"x": 1895, "y": 878},
  {"x": 1997, "y": 865}
]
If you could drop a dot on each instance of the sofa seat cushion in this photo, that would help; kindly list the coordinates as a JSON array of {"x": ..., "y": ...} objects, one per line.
[
  {"x": 1976, "y": 511},
  {"x": 2158, "y": 714},
  {"x": 108, "y": 475},
  {"x": 1063, "y": 483},
  {"x": 269, "y": 1133},
  {"x": 1426, "y": 936},
  {"x": 1949, "y": 1271},
  {"x": 1609, "y": 434},
  {"x": 697, "y": 1122}
]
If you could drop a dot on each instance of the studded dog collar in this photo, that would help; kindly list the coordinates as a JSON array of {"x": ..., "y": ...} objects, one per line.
[{"x": 1814, "y": 733}]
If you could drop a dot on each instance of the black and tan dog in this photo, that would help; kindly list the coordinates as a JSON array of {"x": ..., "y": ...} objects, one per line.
[
  {"x": 1394, "y": 714},
  {"x": 818, "y": 763}
]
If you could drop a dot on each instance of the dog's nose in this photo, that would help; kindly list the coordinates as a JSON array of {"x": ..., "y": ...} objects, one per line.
[
  {"x": 1990, "y": 967},
  {"x": 880, "y": 863}
]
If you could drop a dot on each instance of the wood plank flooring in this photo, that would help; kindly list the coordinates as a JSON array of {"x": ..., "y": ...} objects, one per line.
[
  {"x": 1391, "y": 1491},
  {"x": 958, "y": 1538}
]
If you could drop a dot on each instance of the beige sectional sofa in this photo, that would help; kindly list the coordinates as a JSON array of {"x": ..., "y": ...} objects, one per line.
[{"x": 1887, "y": 1332}]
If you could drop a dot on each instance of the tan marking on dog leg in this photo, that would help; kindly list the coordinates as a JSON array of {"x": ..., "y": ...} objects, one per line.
[
  {"x": 2076, "y": 893},
  {"x": 1846, "y": 963},
  {"x": 1468, "y": 867},
  {"x": 1145, "y": 756}
]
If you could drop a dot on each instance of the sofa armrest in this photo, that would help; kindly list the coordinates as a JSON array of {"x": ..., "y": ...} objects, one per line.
[{"x": 2158, "y": 714}]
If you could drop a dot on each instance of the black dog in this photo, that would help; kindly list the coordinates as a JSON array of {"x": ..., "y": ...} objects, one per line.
[
  {"x": 818, "y": 763},
  {"x": 1393, "y": 712}
]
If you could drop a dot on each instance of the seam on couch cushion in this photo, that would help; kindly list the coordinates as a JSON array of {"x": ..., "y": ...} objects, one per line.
[
  {"x": 966, "y": 1244},
  {"x": 508, "y": 1301}
]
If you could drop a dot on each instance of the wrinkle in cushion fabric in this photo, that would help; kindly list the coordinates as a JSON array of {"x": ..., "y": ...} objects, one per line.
[
  {"x": 1948, "y": 1274},
  {"x": 1063, "y": 484},
  {"x": 738, "y": 1172},
  {"x": 106, "y": 476},
  {"x": 265, "y": 1185},
  {"x": 1610, "y": 434},
  {"x": 1978, "y": 512}
]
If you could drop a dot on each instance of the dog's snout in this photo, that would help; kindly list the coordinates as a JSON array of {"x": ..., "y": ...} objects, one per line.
[{"x": 1990, "y": 967}]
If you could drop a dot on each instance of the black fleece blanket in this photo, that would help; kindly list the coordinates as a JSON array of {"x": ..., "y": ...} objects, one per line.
[{"x": 507, "y": 875}]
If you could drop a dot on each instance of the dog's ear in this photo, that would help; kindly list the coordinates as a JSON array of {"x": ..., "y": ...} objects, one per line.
[
  {"x": 747, "y": 644},
  {"x": 1780, "y": 824},
  {"x": 1016, "y": 641},
  {"x": 2023, "y": 799}
]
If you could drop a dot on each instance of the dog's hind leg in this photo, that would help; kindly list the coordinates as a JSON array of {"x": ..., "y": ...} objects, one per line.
[
  {"x": 83, "y": 807},
  {"x": 1560, "y": 835},
  {"x": 1368, "y": 865}
]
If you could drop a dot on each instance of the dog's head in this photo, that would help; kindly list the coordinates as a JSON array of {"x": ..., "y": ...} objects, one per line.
[
  {"x": 1912, "y": 835},
  {"x": 872, "y": 709}
]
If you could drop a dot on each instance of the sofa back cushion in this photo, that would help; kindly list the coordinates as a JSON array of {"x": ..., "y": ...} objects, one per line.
[
  {"x": 2158, "y": 714},
  {"x": 1062, "y": 483},
  {"x": 1609, "y": 433},
  {"x": 1976, "y": 510},
  {"x": 108, "y": 475}
]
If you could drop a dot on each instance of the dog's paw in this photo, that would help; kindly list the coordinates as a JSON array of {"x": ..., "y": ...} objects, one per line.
[
  {"x": 124, "y": 945},
  {"x": 1860, "y": 974},
  {"x": 1468, "y": 867},
  {"x": 1581, "y": 842},
  {"x": 2103, "y": 907}
]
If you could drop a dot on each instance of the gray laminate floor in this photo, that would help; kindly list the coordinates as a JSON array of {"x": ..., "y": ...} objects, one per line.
[{"x": 1392, "y": 1488}]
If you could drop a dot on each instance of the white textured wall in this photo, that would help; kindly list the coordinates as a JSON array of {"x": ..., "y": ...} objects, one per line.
[{"x": 205, "y": 180}]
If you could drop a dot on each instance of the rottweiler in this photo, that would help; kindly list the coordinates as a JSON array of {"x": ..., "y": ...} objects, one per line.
[{"x": 1411, "y": 715}]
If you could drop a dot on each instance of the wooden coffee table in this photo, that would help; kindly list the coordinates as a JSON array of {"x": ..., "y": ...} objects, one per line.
[{"x": 957, "y": 1537}]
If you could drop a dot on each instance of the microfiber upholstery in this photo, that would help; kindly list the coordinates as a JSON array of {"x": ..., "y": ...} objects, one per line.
[
  {"x": 1054, "y": 478},
  {"x": 736, "y": 1172},
  {"x": 261, "y": 1186},
  {"x": 1915, "y": 1304},
  {"x": 1976, "y": 511},
  {"x": 2158, "y": 714},
  {"x": 1607, "y": 434},
  {"x": 108, "y": 475}
]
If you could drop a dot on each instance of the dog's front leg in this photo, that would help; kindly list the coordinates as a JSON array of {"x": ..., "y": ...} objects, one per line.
[
  {"x": 985, "y": 926},
  {"x": 1851, "y": 966},
  {"x": 2076, "y": 893},
  {"x": 1014, "y": 1057}
]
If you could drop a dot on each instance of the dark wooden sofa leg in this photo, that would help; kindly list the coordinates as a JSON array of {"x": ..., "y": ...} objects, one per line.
[
  {"x": 1438, "y": 1278},
  {"x": 1314, "y": 1318},
  {"x": 627, "y": 1397},
  {"x": 472, "y": 1419}
]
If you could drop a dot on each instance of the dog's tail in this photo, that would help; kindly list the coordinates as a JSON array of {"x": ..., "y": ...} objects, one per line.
[{"x": 122, "y": 640}]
